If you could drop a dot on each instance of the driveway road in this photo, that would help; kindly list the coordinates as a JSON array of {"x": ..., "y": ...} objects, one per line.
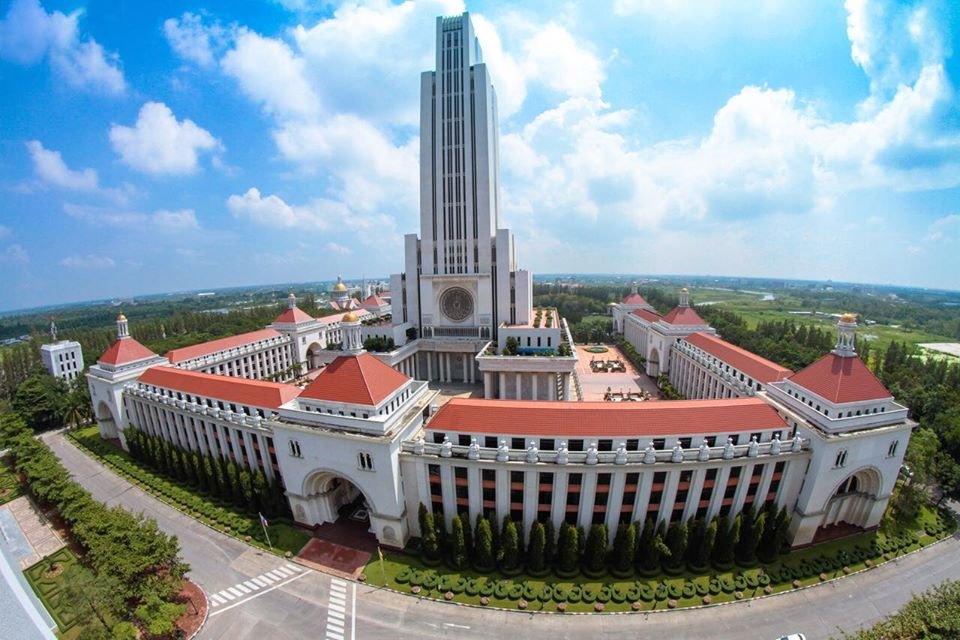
[{"x": 312, "y": 606}]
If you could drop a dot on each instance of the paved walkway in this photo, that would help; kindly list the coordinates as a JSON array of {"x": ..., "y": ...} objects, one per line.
[
  {"x": 39, "y": 537},
  {"x": 22, "y": 615}
]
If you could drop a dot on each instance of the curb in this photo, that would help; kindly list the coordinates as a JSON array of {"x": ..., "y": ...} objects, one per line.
[{"x": 665, "y": 610}]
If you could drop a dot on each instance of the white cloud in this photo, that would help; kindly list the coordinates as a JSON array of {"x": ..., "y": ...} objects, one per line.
[
  {"x": 159, "y": 144},
  {"x": 272, "y": 211},
  {"x": 191, "y": 40},
  {"x": 556, "y": 59},
  {"x": 15, "y": 254},
  {"x": 88, "y": 262},
  {"x": 339, "y": 249},
  {"x": 5, "y": 232},
  {"x": 270, "y": 73},
  {"x": 28, "y": 33},
  {"x": 50, "y": 167},
  {"x": 162, "y": 220}
]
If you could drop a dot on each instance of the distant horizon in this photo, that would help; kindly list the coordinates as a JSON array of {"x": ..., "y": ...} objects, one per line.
[{"x": 537, "y": 278}]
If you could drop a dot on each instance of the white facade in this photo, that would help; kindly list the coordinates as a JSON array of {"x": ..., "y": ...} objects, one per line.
[
  {"x": 460, "y": 279},
  {"x": 63, "y": 359}
]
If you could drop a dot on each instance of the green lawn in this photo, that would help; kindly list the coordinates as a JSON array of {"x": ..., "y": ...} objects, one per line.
[
  {"x": 46, "y": 578},
  {"x": 9, "y": 485},
  {"x": 405, "y": 571},
  {"x": 221, "y": 515}
]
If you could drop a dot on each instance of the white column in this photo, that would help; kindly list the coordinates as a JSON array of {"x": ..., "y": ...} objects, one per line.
[
  {"x": 519, "y": 385},
  {"x": 531, "y": 500},
  {"x": 534, "y": 381},
  {"x": 765, "y": 477},
  {"x": 503, "y": 494},
  {"x": 429, "y": 355},
  {"x": 474, "y": 492},
  {"x": 565, "y": 387},
  {"x": 693, "y": 494},
  {"x": 719, "y": 489},
  {"x": 552, "y": 387},
  {"x": 618, "y": 480},
  {"x": 642, "y": 501},
  {"x": 486, "y": 385},
  {"x": 502, "y": 389},
  {"x": 588, "y": 494},
  {"x": 558, "y": 508},
  {"x": 449, "y": 493},
  {"x": 265, "y": 457},
  {"x": 668, "y": 497},
  {"x": 743, "y": 484}
]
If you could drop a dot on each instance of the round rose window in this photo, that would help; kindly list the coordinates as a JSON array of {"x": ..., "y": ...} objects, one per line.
[{"x": 456, "y": 304}]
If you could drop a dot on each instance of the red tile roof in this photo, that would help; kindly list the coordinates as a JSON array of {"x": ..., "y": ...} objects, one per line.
[
  {"x": 646, "y": 314},
  {"x": 760, "y": 369},
  {"x": 257, "y": 393},
  {"x": 373, "y": 300},
  {"x": 841, "y": 379},
  {"x": 207, "y": 348},
  {"x": 293, "y": 316},
  {"x": 633, "y": 298},
  {"x": 361, "y": 379},
  {"x": 124, "y": 351},
  {"x": 684, "y": 316},
  {"x": 575, "y": 419}
]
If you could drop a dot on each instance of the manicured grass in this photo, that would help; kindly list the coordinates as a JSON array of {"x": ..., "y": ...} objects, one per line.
[
  {"x": 405, "y": 571},
  {"x": 46, "y": 578},
  {"x": 223, "y": 516},
  {"x": 9, "y": 485}
]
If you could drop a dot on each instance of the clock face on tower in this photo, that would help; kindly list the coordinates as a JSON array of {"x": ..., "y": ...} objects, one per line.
[{"x": 456, "y": 304}]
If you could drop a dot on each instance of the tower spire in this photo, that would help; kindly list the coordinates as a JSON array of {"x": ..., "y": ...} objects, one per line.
[
  {"x": 291, "y": 301},
  {"x": 684, "y": 297},
  {"x": 123, "y": 330},
  {"x": 53, "y": 329},
  {"x": 846, "y": 336}
]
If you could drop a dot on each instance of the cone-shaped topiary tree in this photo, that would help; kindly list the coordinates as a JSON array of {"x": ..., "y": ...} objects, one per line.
[
  {"x": 596, "y": 550},
  {"x": 624, "y": 548},
  {"x": 458, "y": 548},
  {"x": 484, "y": 545},
  {"x": 536, "y": 556},
  {"x": 677, "y": 543},
  {"x": 511, "y": 546}
]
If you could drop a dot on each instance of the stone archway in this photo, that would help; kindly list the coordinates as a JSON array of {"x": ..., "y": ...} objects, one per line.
[
  {"x": 852, "y": 500},
  {"x": 106, "y": 421},
  {"x": 330, "y": 495},
  {"x": 653, "y": 363},
  {"x": 314, "y": 359}
]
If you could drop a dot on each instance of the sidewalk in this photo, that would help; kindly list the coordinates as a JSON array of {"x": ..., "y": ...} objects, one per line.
[
  {"x": 37, "y": 539},
  {"x": 24, "y": 540}
]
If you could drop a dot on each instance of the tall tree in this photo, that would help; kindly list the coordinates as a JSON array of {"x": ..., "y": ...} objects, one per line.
[
  {"x": 511, "y": 546},
  {"x": 536, "y": 556},
  {"x": 625, "y": 547}
]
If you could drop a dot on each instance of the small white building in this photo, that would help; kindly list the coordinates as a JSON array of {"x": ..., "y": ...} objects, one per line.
[{"x": 63, "y": 359}]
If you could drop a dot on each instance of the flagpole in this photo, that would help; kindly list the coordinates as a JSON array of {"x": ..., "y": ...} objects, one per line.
[
  {"x": 383, "y": 571},
  {"x": 263, "y": 524}
]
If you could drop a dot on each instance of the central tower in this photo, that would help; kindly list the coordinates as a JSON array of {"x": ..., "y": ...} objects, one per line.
[{"x": 460, "y": 280}]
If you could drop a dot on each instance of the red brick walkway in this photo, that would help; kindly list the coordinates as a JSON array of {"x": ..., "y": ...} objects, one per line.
[{"x": 343, "y": 547}]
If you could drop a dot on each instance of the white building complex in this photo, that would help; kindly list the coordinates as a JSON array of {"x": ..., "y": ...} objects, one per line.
[{"x": 826, "y": 442}]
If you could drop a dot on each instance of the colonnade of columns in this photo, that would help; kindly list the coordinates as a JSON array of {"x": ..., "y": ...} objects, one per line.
[
  {"x": 526, "y": 385},
  {"x": 258, "y": 365},
  {"x": 209, "y": 437},
  {"x": 695, "y": 381},
  {"x": 635, "y": 500},
  {"x": 450, "y": 367}
]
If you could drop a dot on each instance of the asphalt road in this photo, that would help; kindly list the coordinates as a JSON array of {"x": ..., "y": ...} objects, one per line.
[{"x": 310, "y": 605}]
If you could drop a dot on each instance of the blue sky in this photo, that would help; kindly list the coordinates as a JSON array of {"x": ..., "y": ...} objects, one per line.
[{"x": 149, "y": 147}]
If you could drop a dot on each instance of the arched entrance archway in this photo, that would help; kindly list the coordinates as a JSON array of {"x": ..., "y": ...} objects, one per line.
[
  {"x": 852, "y": 500},
  {"x": 314, "y": 360},
  {"x": 333, "y": 498},
  {"x": 653, "y": 363},
  {"x": 106, "y": 421}
]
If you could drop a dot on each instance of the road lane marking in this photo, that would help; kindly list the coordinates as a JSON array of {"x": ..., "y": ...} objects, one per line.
[
  {"x": 259, "y": 593},
  {"x": 242, "y": 588},
  {"x": 353, "y": 615}
]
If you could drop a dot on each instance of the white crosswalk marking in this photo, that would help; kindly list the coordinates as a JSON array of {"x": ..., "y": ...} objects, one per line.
[
  {"x": 337, "y": 611},
  {"x": 262, "y": 581}
]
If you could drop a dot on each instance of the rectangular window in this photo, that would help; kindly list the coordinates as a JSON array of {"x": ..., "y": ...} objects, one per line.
[
  {"x": 841, "y": 459},
  {"x": 605, "y": 445},
  {"x": 892, "y": 449},
  {"x": 463, "y": 439},
  {"x": 490, "y": 442},
  {"x": 685, "y": 443},
  {"x": 518, "y": 443},
  {"x": 547, "y": 444},
  {"x": 438, "y": 437},
  {"x": 659, "y": 443},
  {"x": 575, "y": 445}
]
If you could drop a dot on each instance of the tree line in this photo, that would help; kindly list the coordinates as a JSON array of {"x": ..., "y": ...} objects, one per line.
[
  {"x": 213, "y": 475},
  {"x": 131, "y": 570},
  {"x": 646, "y": 548}
]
